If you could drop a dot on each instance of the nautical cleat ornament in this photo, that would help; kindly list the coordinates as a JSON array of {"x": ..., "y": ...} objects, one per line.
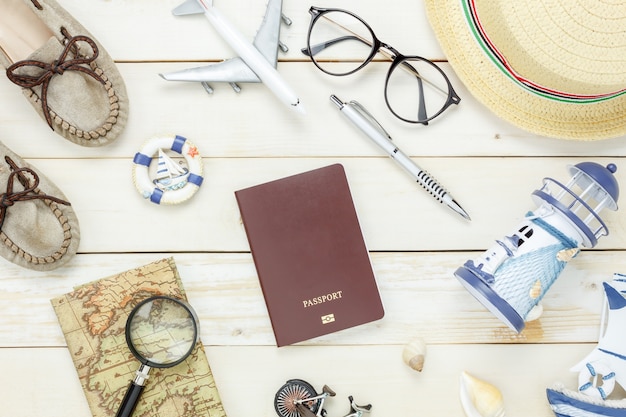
[
  {"x": 603, "y": 368},
  {"x": 167, "y": 181},
  {"x": 512, "y": 276}
]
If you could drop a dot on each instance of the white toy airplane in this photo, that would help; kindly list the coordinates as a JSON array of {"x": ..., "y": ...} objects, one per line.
[{"x": 256, "y": 62}]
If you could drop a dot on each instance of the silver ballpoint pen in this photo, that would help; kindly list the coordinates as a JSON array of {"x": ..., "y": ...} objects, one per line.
[{"x": 368, "y": 124}]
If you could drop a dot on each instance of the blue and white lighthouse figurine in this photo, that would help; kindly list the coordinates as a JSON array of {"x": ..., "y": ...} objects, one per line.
[{"x": 512, "y": 276}]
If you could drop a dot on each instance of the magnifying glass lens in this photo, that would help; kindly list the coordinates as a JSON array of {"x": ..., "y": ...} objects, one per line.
[{"x": 162, "y": 332}]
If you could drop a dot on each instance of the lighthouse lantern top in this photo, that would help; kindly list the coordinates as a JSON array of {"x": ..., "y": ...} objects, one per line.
[
  {"x": 591, "y": 188},
  {"x": 599, "y": 180}
]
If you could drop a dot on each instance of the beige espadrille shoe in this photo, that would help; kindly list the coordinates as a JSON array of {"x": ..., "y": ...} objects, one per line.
[
  {"x": 65, "y": 73},
  {"x": 38, "y": 227}
]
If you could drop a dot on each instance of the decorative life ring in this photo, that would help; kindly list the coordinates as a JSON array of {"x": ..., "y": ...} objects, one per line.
[
  {"x": 173, "y": 183},
  {"x": 596, "y": 380}
]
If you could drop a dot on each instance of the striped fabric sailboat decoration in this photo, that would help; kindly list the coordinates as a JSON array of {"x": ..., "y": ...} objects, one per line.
[{"x": 169, "y": 175}]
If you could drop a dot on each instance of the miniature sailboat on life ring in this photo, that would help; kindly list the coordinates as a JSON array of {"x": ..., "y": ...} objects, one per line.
[
  {"x": 169, "y": 175},
  {"x": 173, "y": 183}
]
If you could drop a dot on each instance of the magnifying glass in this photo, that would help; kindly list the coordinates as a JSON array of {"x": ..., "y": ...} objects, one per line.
[{"x": 161, "y": 332}]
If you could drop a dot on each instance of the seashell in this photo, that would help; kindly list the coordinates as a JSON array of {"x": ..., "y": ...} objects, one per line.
[
  {"x": 479, "y": 398},
  {"x": 567, "y": 255},
  {"x": 535, "y": 291},
  {"x": 414, "y": 354}
]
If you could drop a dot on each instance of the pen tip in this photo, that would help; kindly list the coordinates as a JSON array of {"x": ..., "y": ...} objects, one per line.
[{"x": 457, "y": 207}]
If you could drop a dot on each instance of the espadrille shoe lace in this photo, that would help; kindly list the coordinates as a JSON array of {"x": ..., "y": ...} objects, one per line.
[
  {"x": 57, "y": 67},
  {"x": 29, "y": 180},
  {"x": 30, "y": 191}
]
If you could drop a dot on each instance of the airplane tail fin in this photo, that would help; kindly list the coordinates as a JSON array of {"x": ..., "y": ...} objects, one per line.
[{"x": 189, "y": 7}]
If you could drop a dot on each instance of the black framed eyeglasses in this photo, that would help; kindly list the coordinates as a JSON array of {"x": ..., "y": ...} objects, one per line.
[{"x": 416, "y": 89}]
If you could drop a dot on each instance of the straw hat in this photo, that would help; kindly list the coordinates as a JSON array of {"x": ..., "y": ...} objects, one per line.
[{"x": 553, "y": 67}]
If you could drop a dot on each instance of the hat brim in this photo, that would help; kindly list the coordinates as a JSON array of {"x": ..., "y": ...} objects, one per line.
[{"x": 545, "y": 116}]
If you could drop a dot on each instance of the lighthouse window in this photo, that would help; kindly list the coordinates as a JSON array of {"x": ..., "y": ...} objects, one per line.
[{"x": 527, "y": 232}]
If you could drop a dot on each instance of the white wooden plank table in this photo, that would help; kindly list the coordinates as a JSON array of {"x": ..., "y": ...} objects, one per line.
[{"x": 245, "y": 139}]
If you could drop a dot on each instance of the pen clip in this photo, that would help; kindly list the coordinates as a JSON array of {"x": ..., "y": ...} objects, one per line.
[{"x": 357, "y": 106}]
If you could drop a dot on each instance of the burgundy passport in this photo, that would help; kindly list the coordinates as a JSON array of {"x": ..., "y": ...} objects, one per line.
[{"x": 310, "y": 256}]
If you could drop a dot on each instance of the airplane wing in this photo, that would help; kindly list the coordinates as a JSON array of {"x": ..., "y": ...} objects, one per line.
[
  {"x": 235, "y": 70},
  {"x": 267, "y": 38}
]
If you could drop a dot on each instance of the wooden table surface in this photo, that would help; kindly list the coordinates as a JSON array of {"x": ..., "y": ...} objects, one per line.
[{"x": 490, "y": 166}]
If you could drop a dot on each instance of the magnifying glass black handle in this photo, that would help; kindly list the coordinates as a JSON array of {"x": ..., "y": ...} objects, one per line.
[
  {"x": 130, "y": 400},
  {"x": 134, "y": 392}
]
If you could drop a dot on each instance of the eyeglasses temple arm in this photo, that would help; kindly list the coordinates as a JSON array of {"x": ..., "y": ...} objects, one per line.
[{"x": 315, "y": 49}]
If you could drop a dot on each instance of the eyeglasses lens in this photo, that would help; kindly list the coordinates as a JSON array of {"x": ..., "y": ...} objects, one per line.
[
  {"x": 416, "y": 90},
  {"x": 340, "y": 37}
]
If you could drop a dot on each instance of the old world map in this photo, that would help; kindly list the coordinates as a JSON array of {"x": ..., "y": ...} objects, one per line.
[{"x": 93, "y": 319}]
